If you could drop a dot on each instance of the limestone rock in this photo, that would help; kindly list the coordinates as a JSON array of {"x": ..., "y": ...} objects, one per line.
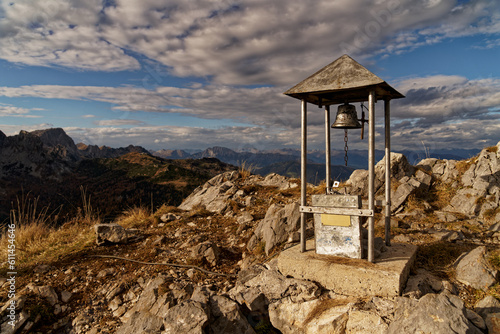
[
  {"x": 493, "y": 322},
  {"x": 433, "y": 313},
  {"x": 278, "y": 224},
  {"x": 274, "y": 286},
  {"x": 112, "y": 233},
  {"x": 142, "y": 322},
  {"x": 317, "y": 316},
  {"x": 400, "y": 167},
  {"x": 365, "y": 322},
  {"x": 466, "y": 201},
  {"x": 407, "y": 187},
  {"x": 278, "y": 181},
  {"x": 473, "y": 269},
  {"x": 226, "y": 317},
  {"x": 168, "y": 217},
  {"x": 421, "y": 284},
  {"x": 208, "y": 251},
  {"x": 214, "y": 194},
  {"x": 46, "y": 292},
  {"x": 487, "y": 305},
  {"x": 188, "y": 317}
]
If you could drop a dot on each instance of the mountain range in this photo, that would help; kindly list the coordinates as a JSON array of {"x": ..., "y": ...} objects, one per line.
[
  {"x": 49, "y": 165},
  {"x": 45, "y": 168}
]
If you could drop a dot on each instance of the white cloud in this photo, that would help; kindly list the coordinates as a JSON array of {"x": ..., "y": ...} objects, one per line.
[
  {"x": 436, "y": 106},
  {"x": 7, "y": 110},
  {"x": 119, "y": 122},
  {"x": 230, "y": 42}
]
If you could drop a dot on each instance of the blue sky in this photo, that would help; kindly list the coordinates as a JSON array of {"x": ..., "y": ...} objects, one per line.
[{"x": 168, "y": 74}]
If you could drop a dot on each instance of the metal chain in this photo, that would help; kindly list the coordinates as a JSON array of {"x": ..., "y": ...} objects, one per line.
[{"x": 345, "y": 147}]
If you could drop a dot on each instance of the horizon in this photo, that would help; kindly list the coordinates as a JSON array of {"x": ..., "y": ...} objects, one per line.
[{"x": 184, "y": 76}]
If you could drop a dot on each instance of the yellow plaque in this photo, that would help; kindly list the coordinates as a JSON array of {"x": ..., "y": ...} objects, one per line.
[{"x": 335, "y": 220}]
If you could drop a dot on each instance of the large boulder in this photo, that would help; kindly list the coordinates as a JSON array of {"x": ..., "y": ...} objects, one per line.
[
  {"x": 188, "y": 317},
  {"x": 481, "y": 181},
  {"x": 258, "y": 287},
  {"x": 433, "y": 313},
  {"x": 472, "y": 269},
  {"x": 400, "y": 167},
  {"x": 317, "y": 316},
  {"x": 227, "y": 318},
  {"x": 277, "y": 226},
  {"x": 214, "y": 194}
]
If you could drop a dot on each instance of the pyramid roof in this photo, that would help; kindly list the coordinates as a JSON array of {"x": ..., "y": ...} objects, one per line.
[{"x": 341, "y": 81}]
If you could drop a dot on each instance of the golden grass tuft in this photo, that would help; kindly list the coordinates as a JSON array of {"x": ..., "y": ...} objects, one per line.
[
  {"x": 245, "y": 170},
  {"x": 492, "y": 149},
  {"x": 199, "y": 211},
  {"x": 490, "y": 214},
  {"x": 441, "y": 194},
  {"x": 464, "y": 165},
  {"x": 135, "y": 217},
  {"x": 439, "y": 257},
  {"x": 37, "y": 241}
]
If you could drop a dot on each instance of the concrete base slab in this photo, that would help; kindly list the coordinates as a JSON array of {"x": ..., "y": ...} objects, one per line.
[{"x": 353, "y": 277}]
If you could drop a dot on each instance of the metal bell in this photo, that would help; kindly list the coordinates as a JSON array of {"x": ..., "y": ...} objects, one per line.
[{"x": 347, "y": 118}]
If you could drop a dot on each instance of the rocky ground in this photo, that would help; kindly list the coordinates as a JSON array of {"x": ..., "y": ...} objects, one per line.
[{"x": 209, "y": 266}]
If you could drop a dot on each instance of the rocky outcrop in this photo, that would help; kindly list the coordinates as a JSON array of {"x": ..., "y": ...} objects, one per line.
[
  {"x": 278, "y": 226},
  {"x": 56, "y": 140},
  {"x": 99, "y": 152},
  {"x": 480, "y": 194},
  {"x": 48, "y": 153},
  {"x": 26, "y": 154},
  {"x": 406, "y": 179},
  {"x": 472, "y": 269},
  {"x": 474, "y": 183},
  {"x": 214, "y": 195},
  {"x": 217, "y": 194},
  {"x": 433, "y": 313}
]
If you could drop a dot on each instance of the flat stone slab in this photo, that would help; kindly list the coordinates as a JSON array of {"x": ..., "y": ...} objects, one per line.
[{"x": 353, "y": 277}]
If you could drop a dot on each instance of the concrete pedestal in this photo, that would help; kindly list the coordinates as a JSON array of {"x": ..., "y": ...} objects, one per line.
[{"x": 385, "y": 277}]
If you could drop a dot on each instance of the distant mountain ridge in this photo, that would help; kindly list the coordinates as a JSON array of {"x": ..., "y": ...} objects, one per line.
[
  {"x": 47, "y": 166},
  {"x": 278, "y": 160},
  {"x": 49, "y": 153}
]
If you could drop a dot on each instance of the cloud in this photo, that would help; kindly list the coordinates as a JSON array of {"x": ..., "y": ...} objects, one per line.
[
  {"x": 262, "y": 106},
  {"x": 7, "y": 110},
  {"x": 440, "y": 106},
  {"x": 118, "y": 122},
  {"x": 58, "y": 33},
  {"x": 229, "y": 42},
  {"x": 442, "y": 99}
]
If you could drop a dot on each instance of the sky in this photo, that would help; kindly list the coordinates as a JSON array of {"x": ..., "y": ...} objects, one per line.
[{"x": 177, "y": 74}]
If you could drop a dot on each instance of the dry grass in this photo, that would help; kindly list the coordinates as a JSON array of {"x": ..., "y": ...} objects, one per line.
[
  {"x": 490, "y": 214},
  {"x": 441, "y": 194},
  {"x": 492, "y": 149},
  {"x": 439, "y": 257},
  {"x": 135, "y": 217},
  {"x": 245, "y": 170},
  {"x": 37, "y": 241},
  {"x": 464, "y": 165},
  {"x": 198, "y": 211},
  {"x": 414, "y": 203},
  {"x": 326, "y": 305}
]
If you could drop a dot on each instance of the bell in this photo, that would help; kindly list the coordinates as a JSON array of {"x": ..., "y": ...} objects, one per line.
[{"x": 347, "y": 118}]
